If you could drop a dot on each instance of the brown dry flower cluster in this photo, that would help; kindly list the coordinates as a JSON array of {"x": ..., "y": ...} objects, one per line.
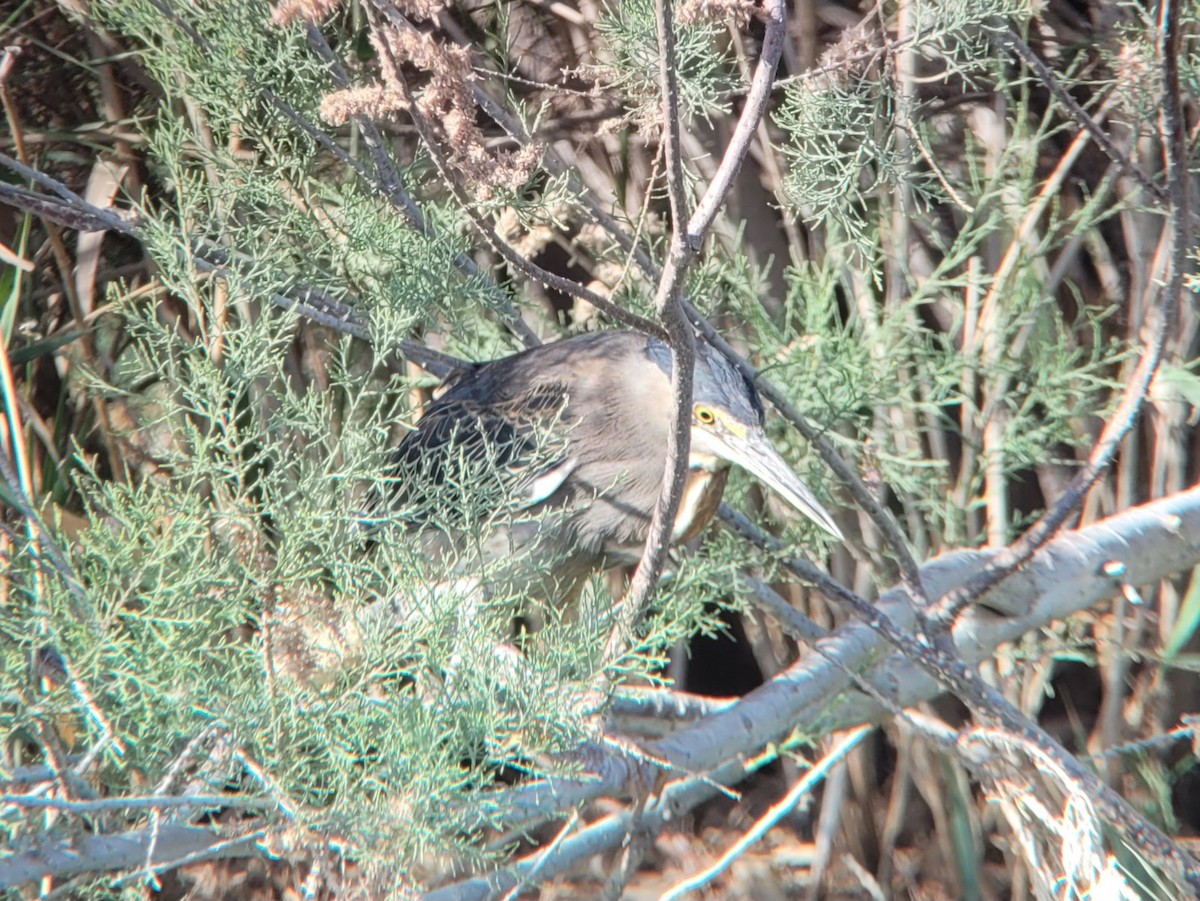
[
  {"x": 373, "y": 100},
  {"x": 740, "y": 12},
  {"x": 445, "y": 105},
  {"x": 287, "y": 11},
  {"x": 448, "y": 109}
]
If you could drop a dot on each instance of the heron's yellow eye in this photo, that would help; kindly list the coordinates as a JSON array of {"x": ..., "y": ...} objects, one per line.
[{"x": 705, "y": 415}]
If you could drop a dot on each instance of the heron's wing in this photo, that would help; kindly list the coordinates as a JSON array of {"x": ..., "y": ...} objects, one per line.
[{"x": 510, "y": 451}]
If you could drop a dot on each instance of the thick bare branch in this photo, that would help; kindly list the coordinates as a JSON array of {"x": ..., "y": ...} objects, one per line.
[
  {"x": 1067, "y": 575},
  {"x": 1071, "y": 573},
  {"x": 167, "y": 846}
]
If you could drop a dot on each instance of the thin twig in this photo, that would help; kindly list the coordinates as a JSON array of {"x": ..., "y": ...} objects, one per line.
[
  {"x": 677, "y": 798},
  {"x": 82, "y": 217},
  {"x": 55, "y": 186},
  {"x": 753, "y": 111},
  {"x": 1188, "y": 730},
  {"x": 389, "y": 183},
  {"x": 863, "y": 496},
  {"x": 140, "y": 802},
  {"x": 307, "y": 301}
]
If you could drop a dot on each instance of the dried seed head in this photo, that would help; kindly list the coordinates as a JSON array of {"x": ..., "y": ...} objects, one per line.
[
  {"x": 287, "y": 11},
  {"x": 368, "y": 100},
  {"x": 719, "y": 12}
]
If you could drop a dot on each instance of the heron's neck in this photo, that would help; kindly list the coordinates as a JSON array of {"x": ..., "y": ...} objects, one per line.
[{"x": 701, "y": 497}]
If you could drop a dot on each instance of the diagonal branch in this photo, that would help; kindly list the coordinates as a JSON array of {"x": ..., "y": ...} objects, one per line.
[
  {"x": 942, "y": 661},
  {"x": 862, "y": 495},
  {"x": 753, "y": 110},
  {"x": 1066, "y": 576},
  {"x": 1014, "y": 42},
  {"x": 304, "y": 300}
]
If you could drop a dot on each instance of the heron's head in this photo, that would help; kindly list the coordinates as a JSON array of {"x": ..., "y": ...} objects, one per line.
[{"x": 727, "y": 427}]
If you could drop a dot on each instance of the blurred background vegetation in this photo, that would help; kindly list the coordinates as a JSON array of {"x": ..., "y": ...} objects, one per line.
[{"x": 925, "y": 253}]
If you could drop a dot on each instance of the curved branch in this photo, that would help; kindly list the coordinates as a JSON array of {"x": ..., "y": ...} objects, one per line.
[{"x": 747, "y": 125}]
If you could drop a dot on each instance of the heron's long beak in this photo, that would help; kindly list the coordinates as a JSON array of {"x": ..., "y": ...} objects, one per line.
[{"x": 754, "y": 453}]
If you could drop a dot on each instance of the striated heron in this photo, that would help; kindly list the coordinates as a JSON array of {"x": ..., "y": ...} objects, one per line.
[{"x": 575, "y": 435}]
